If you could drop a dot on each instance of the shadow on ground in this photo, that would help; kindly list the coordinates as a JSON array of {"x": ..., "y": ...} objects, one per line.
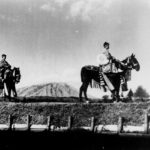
[
  {"x": 60, "y": 99},
  {"x": 70, "y": 140}
]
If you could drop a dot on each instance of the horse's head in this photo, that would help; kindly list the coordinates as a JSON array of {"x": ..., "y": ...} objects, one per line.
[
  {"x": 132, "y": 62},
  {"x": 16, "y": 74}
]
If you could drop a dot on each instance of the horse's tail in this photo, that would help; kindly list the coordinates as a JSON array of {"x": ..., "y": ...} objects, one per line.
[
  {"x": 94, "y": 84},
  {"x": 86, "y": 72}
]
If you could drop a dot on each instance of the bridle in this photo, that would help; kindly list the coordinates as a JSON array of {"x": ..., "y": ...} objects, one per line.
[{"x": 130, "y": 62}]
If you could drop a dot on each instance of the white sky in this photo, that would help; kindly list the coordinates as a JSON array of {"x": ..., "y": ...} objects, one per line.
[{"x": 50, "y": 40}]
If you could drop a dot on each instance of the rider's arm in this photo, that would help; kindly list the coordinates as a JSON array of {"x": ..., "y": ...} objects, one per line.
[
  {"x": 111, "y": 57},
  {"x": 7, "y": 64},
  {"x": 1, "y": 65}
]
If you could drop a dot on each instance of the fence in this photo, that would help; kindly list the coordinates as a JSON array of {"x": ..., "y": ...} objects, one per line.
[{"x": 117, "y": 129}]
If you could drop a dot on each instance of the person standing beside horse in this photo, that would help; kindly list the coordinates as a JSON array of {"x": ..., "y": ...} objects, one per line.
[{"x": 3, "y": 66}]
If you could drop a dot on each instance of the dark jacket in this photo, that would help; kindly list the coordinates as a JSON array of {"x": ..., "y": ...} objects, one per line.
[{"x": 4, "y": 64}]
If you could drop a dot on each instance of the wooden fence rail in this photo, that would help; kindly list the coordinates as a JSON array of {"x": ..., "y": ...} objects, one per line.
[{"x": 120, "y": 128}]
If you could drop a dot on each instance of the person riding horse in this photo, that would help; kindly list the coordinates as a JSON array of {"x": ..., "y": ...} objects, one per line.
[
  {"x": 107, "y": 64},
  {"x": 3, "y": 66}
]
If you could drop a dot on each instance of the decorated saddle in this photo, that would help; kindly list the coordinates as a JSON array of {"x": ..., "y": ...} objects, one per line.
[{"x": 106, "y": 64}]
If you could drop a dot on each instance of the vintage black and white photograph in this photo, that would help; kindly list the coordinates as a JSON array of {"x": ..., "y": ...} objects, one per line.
[{"x": 74, "y": 74}]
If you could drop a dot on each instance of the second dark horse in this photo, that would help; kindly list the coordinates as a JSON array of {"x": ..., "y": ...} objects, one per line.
[
  {"x": 89, "y": 73},
  {"x": 11, "y": 77}
]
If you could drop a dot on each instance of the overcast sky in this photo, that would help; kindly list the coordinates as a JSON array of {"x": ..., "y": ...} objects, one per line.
[{"x": 50, "y": 40}]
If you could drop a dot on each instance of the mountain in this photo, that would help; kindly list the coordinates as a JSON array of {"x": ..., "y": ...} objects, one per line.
[{"x": 50, "y": 90}]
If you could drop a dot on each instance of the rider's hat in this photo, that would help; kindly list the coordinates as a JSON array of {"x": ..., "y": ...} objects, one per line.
[
  {"x": 105, "y": 43},
  {"x": 3, "y": 55}
]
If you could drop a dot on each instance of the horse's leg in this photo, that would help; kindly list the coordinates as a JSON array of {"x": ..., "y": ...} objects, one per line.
[
  {"x": 3, "y": 94},
  {"x": 15, "y": 93},
  {"x": 81, "y": 91},
  {"x": 9, "y": 93},
  {"x": 115, "y": 95},
  {"x": 8, "y": 88},
  {"x": 14, "y": 90},
  {"x": 122, "y": 95},
  {"x": 85, "y": 90},
  {"x": 5, "y": 91},
  {"x": 118, "y": 90}
]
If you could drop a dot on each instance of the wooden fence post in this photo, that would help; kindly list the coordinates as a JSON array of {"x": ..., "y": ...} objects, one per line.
[
  {"x": 146, "y": 123},
  {"x": 92, "y": 124},
  {"x": 70, "y": 122},
  {"x": 10, "y": 122},
  {"x": 28, "y": 122},
  {"x": 49, "y": 123},
  {"x": 120, "y": 124}
]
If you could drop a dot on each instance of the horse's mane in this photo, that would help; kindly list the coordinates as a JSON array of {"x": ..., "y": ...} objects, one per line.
[
  {"x": 92, "y": 67},
  {"x": 126, "y": 59}
]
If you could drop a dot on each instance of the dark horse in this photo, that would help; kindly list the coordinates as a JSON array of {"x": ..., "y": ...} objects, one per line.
[
  {"x": 11, "y": 77},
  {"x": 89, "y": 73}
]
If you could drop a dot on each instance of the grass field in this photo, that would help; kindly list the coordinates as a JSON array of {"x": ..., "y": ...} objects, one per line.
[{"x": 105, "y": 113}]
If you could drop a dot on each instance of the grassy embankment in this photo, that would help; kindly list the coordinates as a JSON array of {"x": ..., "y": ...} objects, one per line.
[{"x": 105, "y": 113}]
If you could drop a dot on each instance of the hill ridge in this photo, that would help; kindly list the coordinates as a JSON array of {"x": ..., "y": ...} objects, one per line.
[{"x": 52, "y": 89}]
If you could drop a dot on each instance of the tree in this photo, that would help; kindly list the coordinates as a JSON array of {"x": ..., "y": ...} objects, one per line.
[
  {"x": 130, "y": 94},
  {"x": 141, "y": 92}
]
